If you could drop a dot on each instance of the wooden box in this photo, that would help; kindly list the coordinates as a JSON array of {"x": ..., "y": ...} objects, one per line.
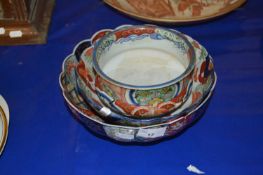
[{"x": 24, "y": 21}]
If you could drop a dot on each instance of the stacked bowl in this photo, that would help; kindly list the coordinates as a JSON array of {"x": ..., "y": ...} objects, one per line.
[{"x": 138, "y": 83}]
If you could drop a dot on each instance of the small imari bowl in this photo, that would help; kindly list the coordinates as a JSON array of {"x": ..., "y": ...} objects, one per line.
[{"x": 143, "y": 71}]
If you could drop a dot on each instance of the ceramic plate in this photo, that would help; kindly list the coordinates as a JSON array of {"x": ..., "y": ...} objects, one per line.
[
  {"x": 5, "y": 108},
  {"x": 3, "y": 129},
  {"x": 175, "y": 11}
]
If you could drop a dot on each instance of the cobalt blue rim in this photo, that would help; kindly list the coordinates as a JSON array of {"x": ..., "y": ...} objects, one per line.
[{"x": 188, "y": 70}]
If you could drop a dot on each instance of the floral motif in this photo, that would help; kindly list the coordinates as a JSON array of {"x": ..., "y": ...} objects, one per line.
[{"x": 153, "y": 97}]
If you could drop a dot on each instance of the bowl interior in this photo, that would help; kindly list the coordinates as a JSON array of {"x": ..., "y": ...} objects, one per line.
[{"x": 143, "y": 56}]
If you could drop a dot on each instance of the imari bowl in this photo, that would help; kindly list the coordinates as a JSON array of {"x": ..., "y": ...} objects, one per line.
[
  {"x": 141, "y": 71},
  {"x": 82, "y": 76},
  {"x": 94, "y": 122}
]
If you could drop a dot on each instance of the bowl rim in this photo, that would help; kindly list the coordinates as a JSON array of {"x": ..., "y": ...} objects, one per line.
[{"x": 187, "y": 71}]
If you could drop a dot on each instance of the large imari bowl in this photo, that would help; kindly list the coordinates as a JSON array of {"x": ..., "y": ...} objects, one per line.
[
  {"x": 134, "y": 96},
  {"x": 93, "y": 121},
  {"x": 82, "y": 76}
]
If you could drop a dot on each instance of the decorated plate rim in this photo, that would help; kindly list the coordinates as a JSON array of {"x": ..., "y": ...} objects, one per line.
[{"x": 235, "y": 5}]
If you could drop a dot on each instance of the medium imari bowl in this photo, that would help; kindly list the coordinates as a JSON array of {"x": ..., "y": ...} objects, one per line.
[
  {"x": 202, "y": 83},
  {"x": 94, "y": 122},
  {"x": 142, "y": 71}
]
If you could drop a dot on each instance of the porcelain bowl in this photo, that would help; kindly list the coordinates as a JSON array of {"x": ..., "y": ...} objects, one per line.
[
  {"x": 93, "y": 121},
  {"x": 78, "y": 77},
  {"x": 203, "y": 81},
  {"x": 142, "y": 71},
  {"x": 83, "y": 77}
]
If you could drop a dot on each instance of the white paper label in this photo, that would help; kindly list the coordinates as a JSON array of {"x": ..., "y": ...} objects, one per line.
[
  {"x": 194, "y": 169},
  {"x": 16, "y": 34},
  {"x": 2, "y": 30},
  {"x": 151, "y": 133},
  {"x": 125, "y": 136},
  {"x": 105, "y": 111}
]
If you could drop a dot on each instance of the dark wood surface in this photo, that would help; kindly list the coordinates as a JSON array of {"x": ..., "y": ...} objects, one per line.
[{"x": 29, "y": 18}]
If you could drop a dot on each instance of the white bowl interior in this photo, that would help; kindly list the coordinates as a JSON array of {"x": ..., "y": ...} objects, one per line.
[{"x": 142, "y": 60}]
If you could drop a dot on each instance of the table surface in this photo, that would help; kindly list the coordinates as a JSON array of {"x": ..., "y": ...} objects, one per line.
[{"x": 45, "y": 139}]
